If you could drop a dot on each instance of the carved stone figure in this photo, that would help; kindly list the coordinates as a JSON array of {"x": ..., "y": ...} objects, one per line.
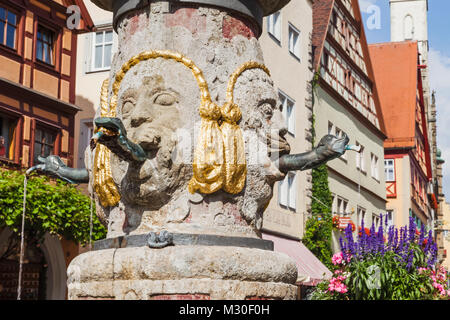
[{"x": 189, "y": 142}]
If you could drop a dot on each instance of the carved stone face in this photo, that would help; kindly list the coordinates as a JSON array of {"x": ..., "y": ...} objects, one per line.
[
  {"x": 159, "y": 98},
  {"x": 151, "y": 116}
]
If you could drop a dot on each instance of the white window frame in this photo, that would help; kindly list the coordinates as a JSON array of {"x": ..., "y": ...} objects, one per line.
[
  {"x": 360, "y": 159},
  {"x": 288, "y": 106},
  {"x": 390, "y": 215},
  {"x": 294, "y": 48},
  {"x": 374, "y": 167},
  {"x": 86, "y": 132},
  {"x": 389, "y": 164},
  {"x": 287, "y": 192},
  {"x": 275, "y": 28},
  {"x": 342, "y": 206},
  {"x": 360, "y": 215},
  {"x": 103, "y": 44},
  {"x": 376, "y": 218}
]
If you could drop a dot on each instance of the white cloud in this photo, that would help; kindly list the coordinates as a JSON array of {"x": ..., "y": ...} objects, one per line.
[
  {"x": 439, "y": 64},
  {"x": 365, "y": 4}
]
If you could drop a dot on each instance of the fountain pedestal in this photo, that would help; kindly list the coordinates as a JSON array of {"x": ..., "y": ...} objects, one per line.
[
  {"x": 215, "y": 250},
  {"x": 182, "y": 272}
]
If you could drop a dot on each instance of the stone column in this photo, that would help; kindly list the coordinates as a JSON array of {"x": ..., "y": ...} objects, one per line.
[{"x": 163, "y": 241}]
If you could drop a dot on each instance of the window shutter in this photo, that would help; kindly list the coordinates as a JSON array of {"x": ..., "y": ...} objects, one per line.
[
  {"x": 283, "y": 192},
  {"x": 88, "y": 52},
  {"x": 292, "y": 191},
  {"x": 291, "y": 117}
]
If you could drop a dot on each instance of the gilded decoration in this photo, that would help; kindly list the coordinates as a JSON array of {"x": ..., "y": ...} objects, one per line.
[{"x": 219, "y": 158}]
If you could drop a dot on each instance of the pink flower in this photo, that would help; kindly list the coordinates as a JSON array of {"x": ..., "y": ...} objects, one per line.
[{"x": 337, "y": 258}]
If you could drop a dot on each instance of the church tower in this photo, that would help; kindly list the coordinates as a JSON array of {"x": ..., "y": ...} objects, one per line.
[{"x": 409, "y": 21}]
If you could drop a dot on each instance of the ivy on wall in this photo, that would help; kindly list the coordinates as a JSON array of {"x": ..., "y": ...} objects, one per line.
[
  {"x": 52, "y": 206},
  {"x": 318, "y": 230}
]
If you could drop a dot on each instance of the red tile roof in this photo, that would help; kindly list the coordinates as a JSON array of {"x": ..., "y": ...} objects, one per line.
[{"x": 396, "y": 74}]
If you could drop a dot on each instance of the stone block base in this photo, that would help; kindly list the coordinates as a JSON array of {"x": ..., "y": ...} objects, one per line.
[{"x": 182, "y": 273}]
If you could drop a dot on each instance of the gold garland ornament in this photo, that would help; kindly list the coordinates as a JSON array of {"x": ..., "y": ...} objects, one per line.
[{"x": 219, "y": 158}]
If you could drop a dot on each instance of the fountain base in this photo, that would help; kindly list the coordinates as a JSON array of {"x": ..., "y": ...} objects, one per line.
[{"x": 183, "y": 272}]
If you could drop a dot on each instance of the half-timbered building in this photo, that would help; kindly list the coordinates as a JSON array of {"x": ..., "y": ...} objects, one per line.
[{"x": 346, "y": 102}]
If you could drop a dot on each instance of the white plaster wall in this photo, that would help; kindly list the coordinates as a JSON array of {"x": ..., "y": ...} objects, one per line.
[{"x": 360, "y": 189}]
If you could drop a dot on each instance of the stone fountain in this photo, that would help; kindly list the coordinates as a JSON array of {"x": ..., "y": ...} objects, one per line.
[{"x": 189, "y": 143}]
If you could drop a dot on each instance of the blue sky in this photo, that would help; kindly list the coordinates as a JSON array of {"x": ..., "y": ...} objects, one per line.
[{"x": 439, "y": 63}]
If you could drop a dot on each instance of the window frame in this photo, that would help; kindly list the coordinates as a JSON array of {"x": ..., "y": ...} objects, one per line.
[
  {"x": 92, "y": 67},
  {"x": 286, "y": 102},
  {"x": 55, "y": 51},
  {"x": 360, "y": 211},
  {"x": 16, "y": 26},
  {"x": 16, "y": 139},
  {"x": 56, "y": 131},
  {"x": 342, "y": 206},
  {"x": 393, "y": 168},
  {"x": 285, "y": 186},
  {"x": 271, "y": 31},
  {"x": 360, "y": 158},
  {"x": 374, "y": 166},
  {"x": 291, "y": 30}
]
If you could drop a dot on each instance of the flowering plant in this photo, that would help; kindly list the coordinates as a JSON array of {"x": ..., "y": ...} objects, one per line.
[
  {"x": 371, "y": 268},
  {"x": 335, "y": 221}
]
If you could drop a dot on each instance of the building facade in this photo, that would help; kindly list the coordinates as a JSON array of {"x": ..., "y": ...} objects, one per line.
[
  {"x": 346, "y": 103},
  {"x": 286, "y": 44},
  {"x": 408, "y": 166},
  {"x": 37, "y": 111},
  {"x": 287, "y": 49},
  {"x": 95, "y": 53}
]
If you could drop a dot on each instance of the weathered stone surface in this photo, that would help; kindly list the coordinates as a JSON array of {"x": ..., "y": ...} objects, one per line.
[
  {"x": 158, "y": 103},
  {"x": 220, "y": 273},
  {"x": 183, "y": 262}
]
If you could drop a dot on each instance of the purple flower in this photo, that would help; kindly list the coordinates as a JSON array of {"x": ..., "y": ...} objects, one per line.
[
  {"x": 350, "y": 241},
  {"x": 422, "y": 234},
  {"x": 410, "y": 259},
  {"x": 412, "y": 229}
]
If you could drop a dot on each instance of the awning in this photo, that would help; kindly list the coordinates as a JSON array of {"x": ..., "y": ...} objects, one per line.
[{"x": 311, "y": 270}]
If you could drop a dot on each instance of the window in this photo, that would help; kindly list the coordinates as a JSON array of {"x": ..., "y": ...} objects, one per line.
[
  {"x": 390, "y": 217},
  {"x": 8, "y": 28},
  {"x": 102, "y": 50},
  {"x": 44, "y": 143},
  {"x": 7, "y": 137},
  {"x": 408, "y": 27},
  {"x": 360, "y": 216},
  {"x": 375, "y": 220},
  {"x": 342, "y": 206},
  {"x": 287, "y": 191},
  {"x": 374, "y": 166},
  {"x": 288, "y": 107},
  {"x": 389, "y": 170},
  {"x": 360, "y": 163},
  {"x": 86, "y": 133},
  {"x": 45, "y": 45},
  {"x": 294, "y": 41},
  {"x": 274, "y": 25}
]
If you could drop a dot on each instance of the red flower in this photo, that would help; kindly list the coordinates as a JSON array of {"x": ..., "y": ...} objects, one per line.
[{"x": 367, "y": 231}]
